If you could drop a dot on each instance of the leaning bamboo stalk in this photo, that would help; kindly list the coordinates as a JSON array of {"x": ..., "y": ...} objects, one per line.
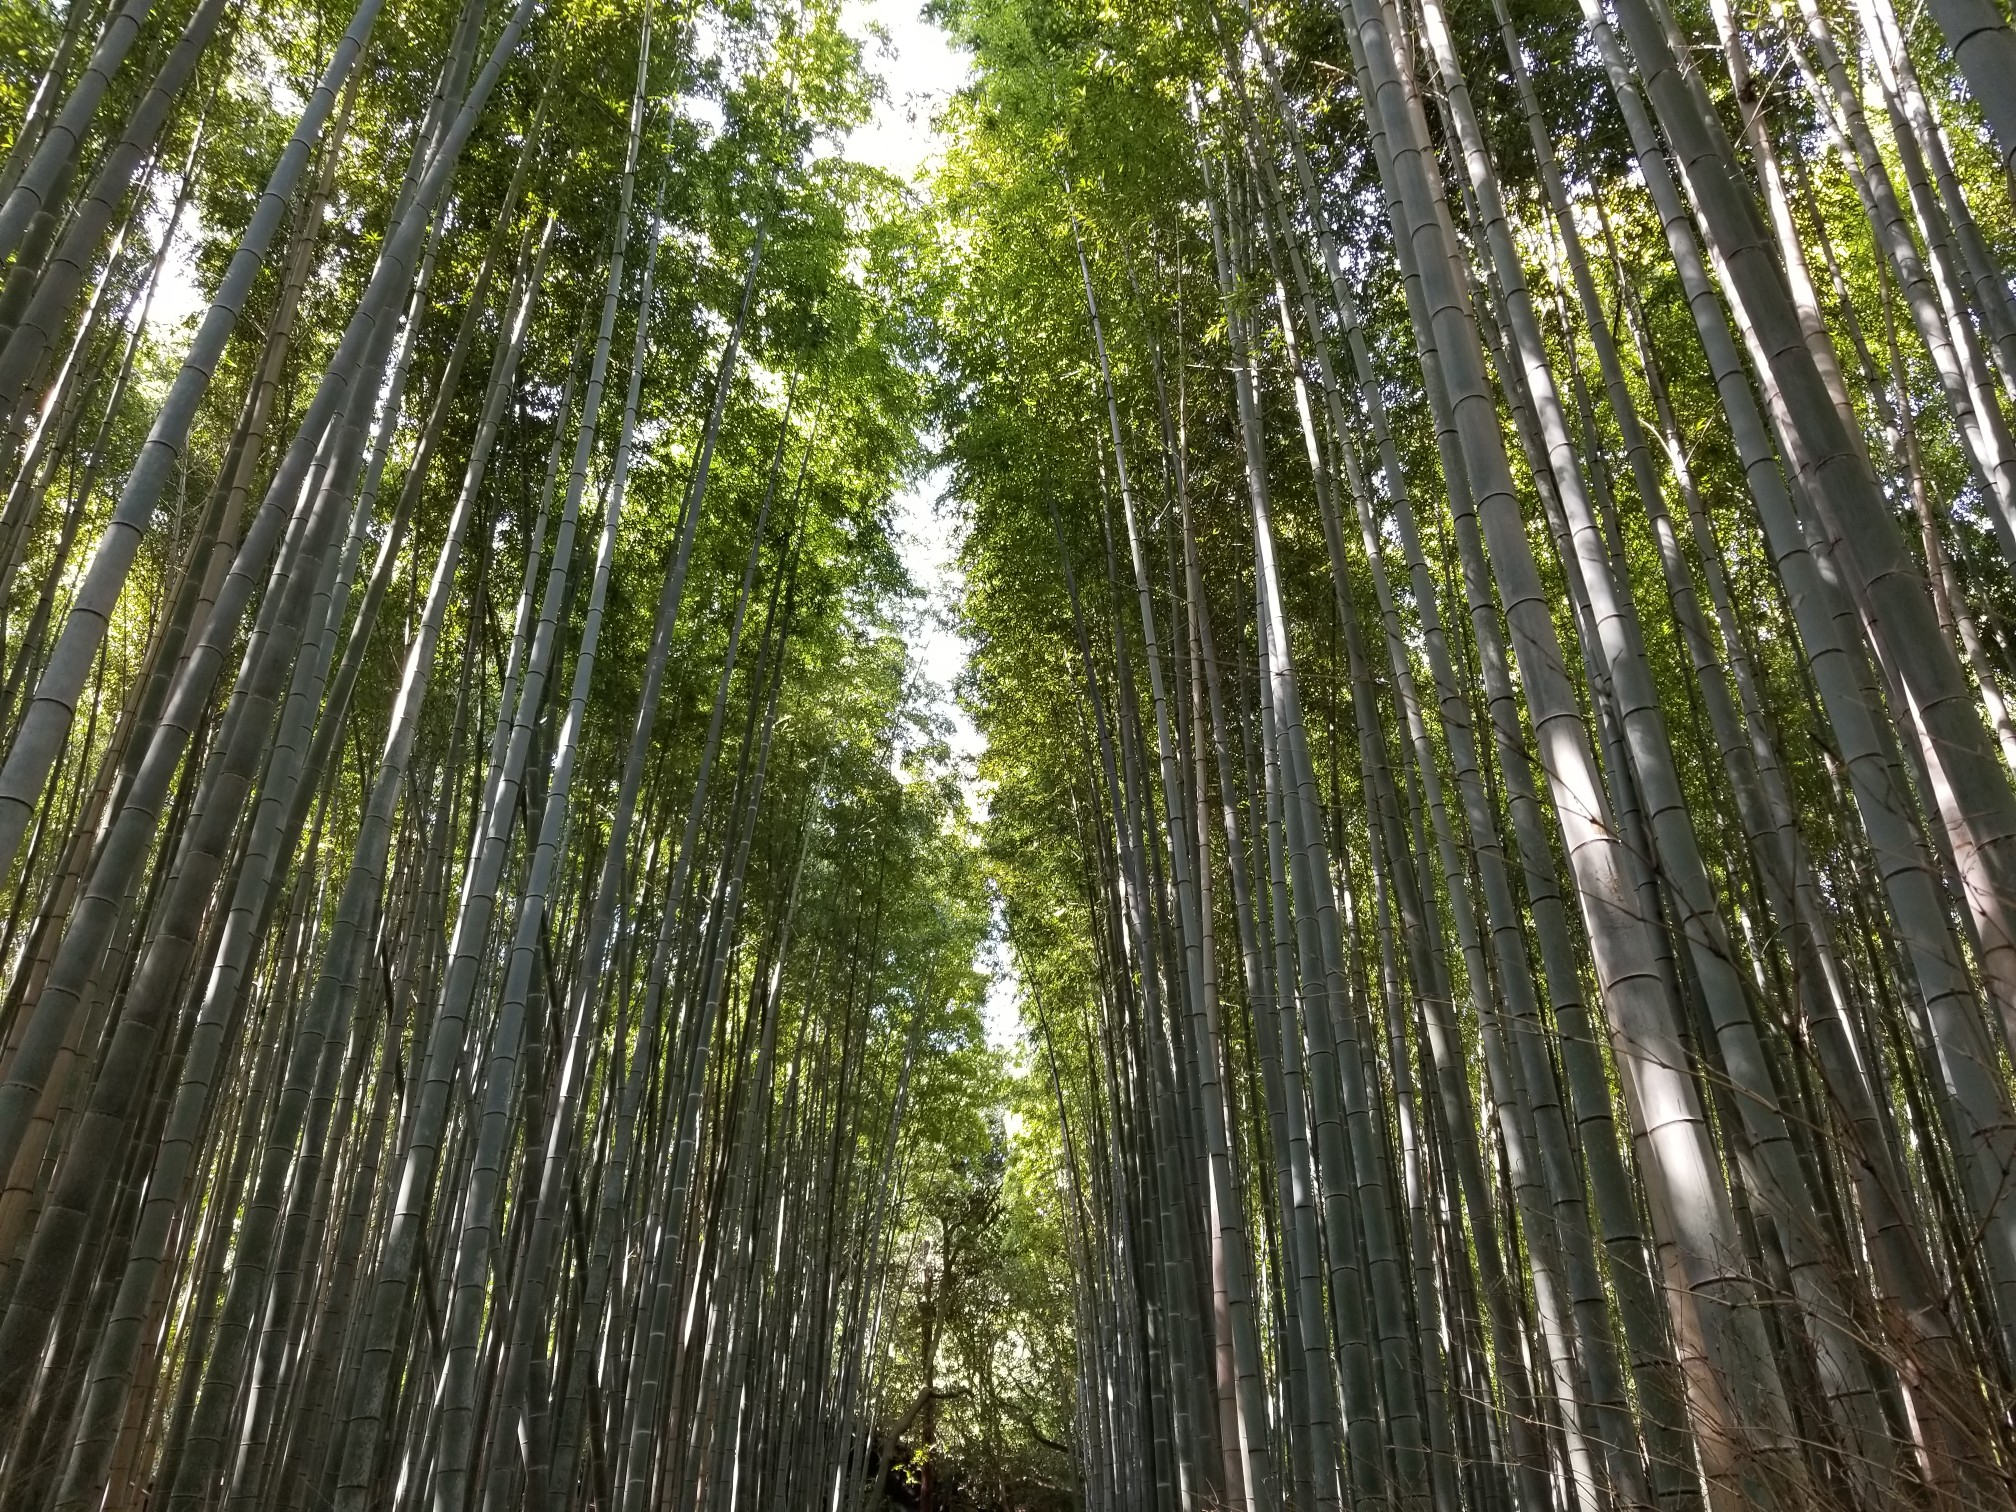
[
  {"x": 1230, "y": 1257},
  {"x": 640, "y": 1419},
  {"x": 43, "y": 728},
  {"x": 1899, "y": 615},
  {"x": 1721, "y": 1344},
  {"x": 452, "y": 1467},
  {"x": 267, "y": 658},
  {"x": 69, "y": 263},
  {"x": 1609, "y": 1180},
  {"x": 1886, "y": 812},
  {"x": 421, "y": 1141},
  {"x": 55, "y": 156},
  {"x": 35, "y": 118}
]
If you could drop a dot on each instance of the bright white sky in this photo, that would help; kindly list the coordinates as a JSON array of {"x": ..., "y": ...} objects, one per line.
[{"x": 921, "y": 70}]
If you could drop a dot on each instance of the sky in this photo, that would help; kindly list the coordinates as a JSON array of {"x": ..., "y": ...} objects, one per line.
[{"x": 921, "y": 70}]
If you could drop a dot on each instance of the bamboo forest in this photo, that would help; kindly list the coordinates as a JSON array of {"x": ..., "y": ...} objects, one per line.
[{"x": 1007, "y": 756}]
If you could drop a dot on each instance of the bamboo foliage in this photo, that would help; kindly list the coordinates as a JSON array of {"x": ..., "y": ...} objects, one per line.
[
  {"x": 1618, "y": 1096},
  {"x": 362, "y": 983},
  {"x": 1486, "y": 556}
]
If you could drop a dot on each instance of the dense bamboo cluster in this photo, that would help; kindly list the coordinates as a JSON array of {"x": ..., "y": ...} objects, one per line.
[
  {"x": 1490, "y": 563},
  {"x": 481, "y": 960},
  {"x": 1492, "y": 545}
]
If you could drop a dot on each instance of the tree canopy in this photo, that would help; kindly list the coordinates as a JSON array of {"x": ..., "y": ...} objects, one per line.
[{"x": 1476, "y": 969}]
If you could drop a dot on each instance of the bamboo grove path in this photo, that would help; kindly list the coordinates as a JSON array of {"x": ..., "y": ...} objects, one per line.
[{"x": 1471, "y": 968}]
